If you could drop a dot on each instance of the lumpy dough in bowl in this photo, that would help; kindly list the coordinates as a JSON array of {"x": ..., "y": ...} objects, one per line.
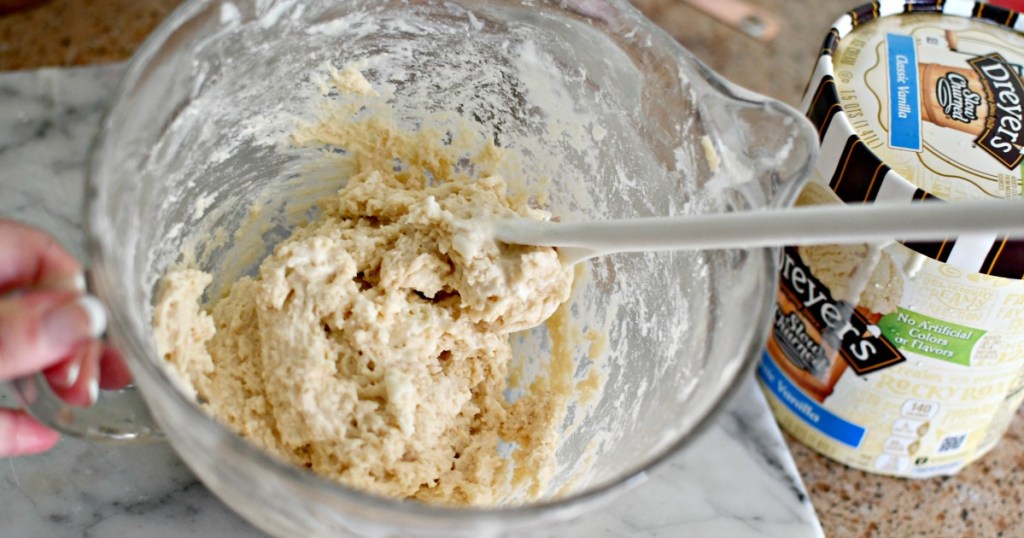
[{"x": 372, "y": 346}]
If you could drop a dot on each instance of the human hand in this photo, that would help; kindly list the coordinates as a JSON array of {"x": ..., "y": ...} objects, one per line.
[{"x": 48, "y": 324}]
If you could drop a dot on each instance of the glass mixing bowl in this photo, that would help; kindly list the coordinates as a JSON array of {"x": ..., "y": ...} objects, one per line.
[{"x": 611, "y": 111}]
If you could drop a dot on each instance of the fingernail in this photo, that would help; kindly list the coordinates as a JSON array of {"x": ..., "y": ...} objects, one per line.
[
  {"x": 72, "y": 375},
  {"x": 94, "y": 390},
  {"x": 97, "y": 314},
  {"x": 72, "y": 322},
  {"x": 79, "y": 282}
]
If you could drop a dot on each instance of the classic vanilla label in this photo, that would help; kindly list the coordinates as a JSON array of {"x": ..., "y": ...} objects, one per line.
[{"x": 904, "y": 94}]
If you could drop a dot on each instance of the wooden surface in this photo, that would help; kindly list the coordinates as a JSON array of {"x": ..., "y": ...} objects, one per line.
[{"x": 987, "y": 499}]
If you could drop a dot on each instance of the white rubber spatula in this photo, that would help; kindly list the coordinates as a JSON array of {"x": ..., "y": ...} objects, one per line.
[{"x": 869, "y": 223}]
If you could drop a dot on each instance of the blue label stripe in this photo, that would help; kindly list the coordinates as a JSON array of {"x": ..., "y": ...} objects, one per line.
[
  {"x": 904, "y": 93},
  {"x": 807, "y": 409}
]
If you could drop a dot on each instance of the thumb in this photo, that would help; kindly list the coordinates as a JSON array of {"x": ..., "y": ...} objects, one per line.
[
  {"x": 39, "y": 328},
  {"x": 21, "y": 434}
]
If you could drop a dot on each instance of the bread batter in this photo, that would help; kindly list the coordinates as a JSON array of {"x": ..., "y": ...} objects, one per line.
[{"x": 372, "y": 346}]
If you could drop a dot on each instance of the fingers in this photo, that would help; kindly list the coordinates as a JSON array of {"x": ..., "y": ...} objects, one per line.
[
  {"x": 20, "y": 434},
  {"x": 39, "y": 328},
  {"x": 65, "y": 373},
  {"x": 30, "y": 258},
  {"x": 114, "y": 373},
  {"x": 83, "y": 390},
  {"x": 47, "y": 324}
]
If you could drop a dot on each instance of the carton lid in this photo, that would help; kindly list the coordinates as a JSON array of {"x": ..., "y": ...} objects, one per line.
[{"x": 921, "y": 101}]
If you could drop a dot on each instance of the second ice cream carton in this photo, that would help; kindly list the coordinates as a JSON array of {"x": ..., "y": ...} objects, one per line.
[{"x": 908, "y": 358}]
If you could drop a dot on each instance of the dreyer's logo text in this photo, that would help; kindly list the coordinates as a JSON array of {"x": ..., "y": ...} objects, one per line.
[
  {"x": 841, "y": 327},
  {"x": 1005, "y": 95}
]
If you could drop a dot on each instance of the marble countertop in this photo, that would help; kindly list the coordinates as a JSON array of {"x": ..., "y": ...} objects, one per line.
[{"x": 984, "y": 500}]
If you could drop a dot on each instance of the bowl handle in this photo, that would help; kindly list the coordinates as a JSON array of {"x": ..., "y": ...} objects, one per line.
[{"x": 117, "y": 416}]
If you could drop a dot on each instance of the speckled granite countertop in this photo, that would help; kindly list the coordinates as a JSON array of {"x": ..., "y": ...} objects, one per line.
[{"x": 987, "y": 499}]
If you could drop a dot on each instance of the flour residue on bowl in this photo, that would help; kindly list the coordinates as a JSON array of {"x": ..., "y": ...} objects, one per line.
[
  {"x": 577, "y": 140},
  {"x": 372, "y": 347}
]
